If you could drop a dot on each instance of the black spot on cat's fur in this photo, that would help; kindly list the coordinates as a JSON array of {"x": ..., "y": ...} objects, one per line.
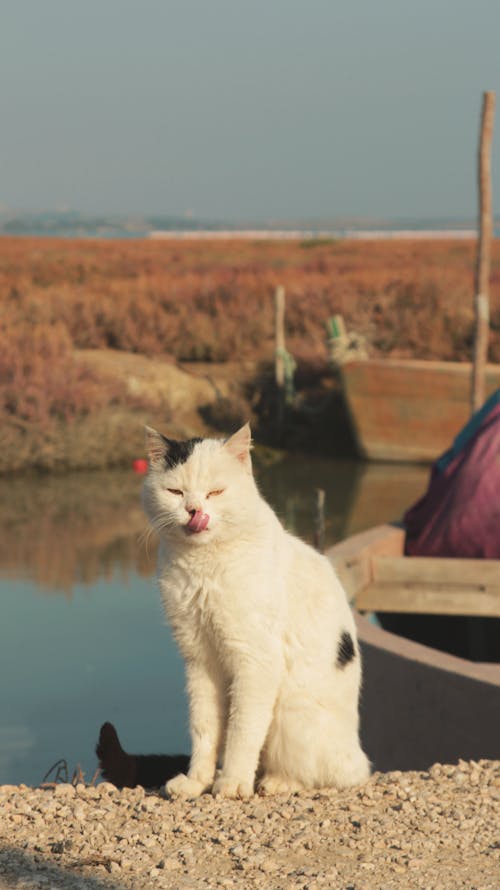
[
  {"x": 345, "y": 650},
  {"x": 128, "y": 770},
  {"x": 179, "y": 452}
]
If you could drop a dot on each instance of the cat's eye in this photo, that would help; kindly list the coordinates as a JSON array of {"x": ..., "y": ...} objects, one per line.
[
  {"x": 175, "y": 491},
  {"x": 216, "y": 491}
]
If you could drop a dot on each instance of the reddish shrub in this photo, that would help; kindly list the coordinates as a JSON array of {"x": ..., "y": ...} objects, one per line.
[
  {"x": 39, "y": 378},
  {"x": 212, "y": 301}
]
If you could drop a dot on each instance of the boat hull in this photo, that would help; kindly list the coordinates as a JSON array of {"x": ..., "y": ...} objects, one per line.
[
  {"x": 408, "y": 410},
  {"x": 419, "y": 705}
]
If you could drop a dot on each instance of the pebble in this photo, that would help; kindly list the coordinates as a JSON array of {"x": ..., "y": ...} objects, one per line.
[{"x": 437, "y": 828}]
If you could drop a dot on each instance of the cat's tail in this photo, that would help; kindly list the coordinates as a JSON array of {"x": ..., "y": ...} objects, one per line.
[{"x": 128, "y": 770}]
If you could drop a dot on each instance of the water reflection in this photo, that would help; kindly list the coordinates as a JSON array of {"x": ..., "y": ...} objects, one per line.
[
  {"x": 64, "y": 530},
  {"x": 100, "y": 651}
]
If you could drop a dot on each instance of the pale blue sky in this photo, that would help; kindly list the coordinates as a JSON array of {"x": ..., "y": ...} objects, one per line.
[{"x": 238, "y": 110}]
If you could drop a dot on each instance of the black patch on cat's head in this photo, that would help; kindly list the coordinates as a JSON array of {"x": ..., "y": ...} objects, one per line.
[
  {"x": 179, "y": 452},
  {"x": 345, "y": 650}
]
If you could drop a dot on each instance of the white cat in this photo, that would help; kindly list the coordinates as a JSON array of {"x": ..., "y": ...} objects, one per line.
[{"x": 273, "y": 667}]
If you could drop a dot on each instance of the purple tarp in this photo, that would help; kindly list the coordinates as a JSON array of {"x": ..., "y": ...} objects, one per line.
[{"x": 460, "y": 513}]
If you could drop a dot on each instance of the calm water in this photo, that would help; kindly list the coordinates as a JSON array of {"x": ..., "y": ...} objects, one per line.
[{"x": 82, "y": 636}]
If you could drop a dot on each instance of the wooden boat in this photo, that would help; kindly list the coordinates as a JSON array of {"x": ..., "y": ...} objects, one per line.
[
  {"x": 408, "y": 410},
  {"x": 420, "y": 705}
]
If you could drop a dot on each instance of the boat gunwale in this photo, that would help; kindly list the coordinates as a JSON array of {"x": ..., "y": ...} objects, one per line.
[{"x": 351, "y": 559}]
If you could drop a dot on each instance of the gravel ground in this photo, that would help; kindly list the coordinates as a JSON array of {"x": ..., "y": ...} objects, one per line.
[{"x": 435, "y": 830}]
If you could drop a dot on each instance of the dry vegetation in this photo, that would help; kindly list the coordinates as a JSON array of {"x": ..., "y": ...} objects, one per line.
[{"x": 211, "y": 302}]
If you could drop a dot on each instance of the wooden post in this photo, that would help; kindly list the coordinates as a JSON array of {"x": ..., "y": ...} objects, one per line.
[
  {"x": 319, "y": 532},
  {"x": 279, "y": 361},
  {"x": 483, "y": 259}
]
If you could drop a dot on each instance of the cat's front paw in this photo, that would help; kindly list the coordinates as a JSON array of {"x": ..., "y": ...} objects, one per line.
[
  {"x": 270, "y": 785},
  {"x": 228, "y": 787},
  {"x": 183, "y": 786}
]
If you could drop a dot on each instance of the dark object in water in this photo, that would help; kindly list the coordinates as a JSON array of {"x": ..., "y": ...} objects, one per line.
[{"x": 128, "y": 770}]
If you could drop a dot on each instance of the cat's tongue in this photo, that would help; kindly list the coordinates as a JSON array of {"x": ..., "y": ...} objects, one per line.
[{"x": 198, "y": 521}]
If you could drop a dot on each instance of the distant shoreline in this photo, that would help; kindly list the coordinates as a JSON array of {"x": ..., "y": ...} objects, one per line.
[
  {"x": 304, "y": 235},
  {"x": 75, "y": 227},
  {"x": 311, "y": 235}
]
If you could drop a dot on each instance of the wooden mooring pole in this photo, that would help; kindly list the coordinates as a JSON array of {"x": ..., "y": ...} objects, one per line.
[
  {"x": 483, "y": 260},
  {"x": 319, "y": 531}
]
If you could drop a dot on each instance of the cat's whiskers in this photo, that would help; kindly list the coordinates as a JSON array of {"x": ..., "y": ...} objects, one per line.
[
  {"x": 144, "y": 538},
  {"x": 160, "y": 522},
  {"x": 164, "y": 521}
]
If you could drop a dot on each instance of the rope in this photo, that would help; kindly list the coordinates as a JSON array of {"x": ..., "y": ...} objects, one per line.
[
  {"x": 289, "y": 366},
  {"x": 343, "y": 346}
]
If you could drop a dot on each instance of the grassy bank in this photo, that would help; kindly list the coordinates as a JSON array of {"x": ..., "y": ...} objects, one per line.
[{"x": 208, "y": 302}]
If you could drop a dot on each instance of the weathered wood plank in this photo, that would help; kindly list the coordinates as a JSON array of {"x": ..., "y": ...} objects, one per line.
[
  {"x": 478, "y": 573},
  {"x": 352, "y": 559},
  {"x": 438, "y": 599}
]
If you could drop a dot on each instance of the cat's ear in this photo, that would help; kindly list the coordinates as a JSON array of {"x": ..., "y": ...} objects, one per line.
[
  {"x": 239, "y": 445},
  {"x": 156, "y": 447}
]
